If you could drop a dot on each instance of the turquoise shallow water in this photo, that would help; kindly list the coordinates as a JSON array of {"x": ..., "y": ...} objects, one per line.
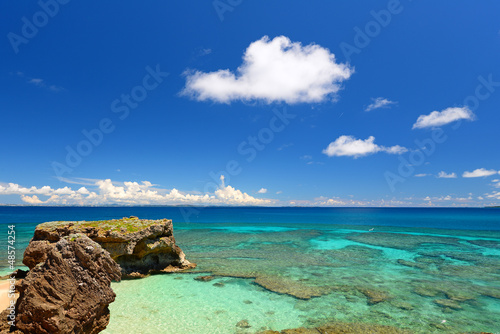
[
  {"x": 168, "y": 304},
  {"x": 345, "y": 266},
  {"x": 310, "y": 268},
  {"x": 446, "y": 283}
]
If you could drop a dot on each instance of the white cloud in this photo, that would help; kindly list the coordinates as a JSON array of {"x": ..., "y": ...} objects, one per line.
[
  {"x": 333, "y": 202},
  {"x": 336, "y": 201},
  {"x": 15, "y": 189},
  {"x": 282, "y": 147},
  {"x": 442, "y": 201},
  {"x": 130, "y": 193},
  {"x": 279, "y": 192},
  {"x": 350, "y": 146},
  {"x": 444, "y": 175},
  {"x": 421, "y": 175},
  {"x": 83, "y": 191},
  {"x": 494, "y": 195},
  {"x": 396, "y": 149},
  {"x": 262, "y": 191},
  {"x": 450, "y": 200},
  {"x": 273, "y": 70},
  {"x": 205, "y": 52},
  {"x": 230, "y": 196},
  {"x": 496, "y": 183},
  {"x": 379, "y": 102},
  {"x": 43, "y": 84},
  {"x": 37, "y": 82},
  {"x": 78, "y": 180},
  {"x": 480, "y": 172},
  {"x": 31, "y": 199},
  {"x": 446, "y": 116}
]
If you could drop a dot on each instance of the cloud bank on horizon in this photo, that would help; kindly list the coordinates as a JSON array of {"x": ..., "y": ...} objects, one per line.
[
  {"x": 129, "y": 193},
  {"x": 276, "y": 70},
  {"x": 108, "y": 192}
]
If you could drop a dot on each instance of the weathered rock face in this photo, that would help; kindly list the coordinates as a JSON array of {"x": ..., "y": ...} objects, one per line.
[
  {"x": 139, "y": 246},
  {"x": 67, "y": 289}
]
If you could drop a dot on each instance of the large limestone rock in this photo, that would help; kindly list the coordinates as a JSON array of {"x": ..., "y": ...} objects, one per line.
[
  {"x": 67, "y": 289},
  {"x": 139, "y": 246},
  {"x": 72, "y": 264}
]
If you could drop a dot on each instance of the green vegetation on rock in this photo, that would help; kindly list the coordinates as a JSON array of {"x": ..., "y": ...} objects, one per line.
[{"x": 124, "y": 225}]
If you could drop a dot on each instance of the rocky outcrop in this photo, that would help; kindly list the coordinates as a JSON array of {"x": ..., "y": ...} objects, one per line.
[
  {"x": 139, "y": 246},
  {"x": 72, "y": 264},
  {"x": 67, "y": 289}
]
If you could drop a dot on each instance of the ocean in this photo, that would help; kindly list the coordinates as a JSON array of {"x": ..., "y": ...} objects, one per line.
[{"x": 434, "y": 270}]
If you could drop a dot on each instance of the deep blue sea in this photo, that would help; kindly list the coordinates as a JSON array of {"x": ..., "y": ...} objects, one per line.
[{"x": 434, "y": 270}]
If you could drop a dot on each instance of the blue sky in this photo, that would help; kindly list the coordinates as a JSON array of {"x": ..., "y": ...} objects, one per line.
[{"x": 337, "y": 97}]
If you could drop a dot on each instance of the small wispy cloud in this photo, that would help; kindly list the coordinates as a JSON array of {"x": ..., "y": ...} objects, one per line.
[
  {"x": 36, "y": 82},
  {"x": 204, "y": 52},
  {"x": 444, "y": 175},
  {"x": 39, "y": 82},
  {"x": 379, "y": 102},
  {"x": 262, "y": 191},
  {"x": 494, "y": 195},
  {"x": 480, "y": 172},
  {"x": 282, "y": 147},
  {"x": 446, "y": 116},
  {"x": 352, "y": 147},
  {"x": 78, "y": 180},
  {"x": 421, "y": 175}
]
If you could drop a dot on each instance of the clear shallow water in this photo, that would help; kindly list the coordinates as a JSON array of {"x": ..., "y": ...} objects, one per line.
[
  {"x": 167, "y": 304},
  {"x": 290, "y": 267}
]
